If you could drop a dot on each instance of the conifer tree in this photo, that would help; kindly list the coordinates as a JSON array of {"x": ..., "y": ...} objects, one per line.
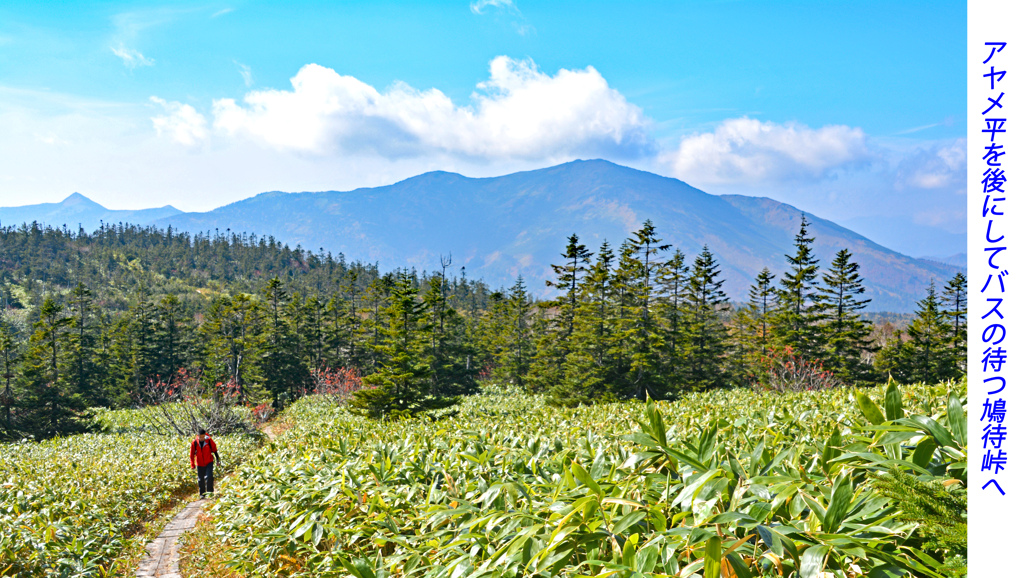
[
  {"x": 451, "y": 356},
  {"x": 705, "y": 334},
  {"x": 82, "y": 345},
  {"x": 954, "y": 302},
  {"x": 893, "y": 358},
  {"x": 846, "y": 335},
  {"x": 761, "y": 303},
  {"x": 308, "y": 319},
  {"x": 172, "y": 333},
  {"x": 401, "y": 383},
  {"x": 671, "y": 310},
  {"x": 372, "y": 320},
  {"x": 507, "y": 335},
  {"x": 351, "y": 331},
  {"x": 280, "y": 358},
  {"x": 638, "y": 336},
  {"x": 518, "y": 350},
  {"x": 555, "y": 334},
  {"x": 232, "y": 332},
  {"x": 587, "y": 370},
  {"x": 926, "y": 355},
  {"x": 9, "y": 357},
  {"x": 52, "y": 404},
  {"x": 797, "y": 315},
  {"x": 939, "y": 511},
  {"x": 133, "y": 351},
  {"x": 334, "y": 314},
  {"x": 752, "y": 328},
  {"x": 142, "y": 319}
]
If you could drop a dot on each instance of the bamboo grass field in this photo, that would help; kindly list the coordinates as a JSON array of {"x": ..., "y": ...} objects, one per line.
[
  {"x": 716, "y": 484},
  {"x": 69, "y": 506}
]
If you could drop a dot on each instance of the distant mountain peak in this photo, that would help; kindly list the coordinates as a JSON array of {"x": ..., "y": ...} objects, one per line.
[
  {"x": 80, "y": 200},
  {"x": 78, "y": 210}
]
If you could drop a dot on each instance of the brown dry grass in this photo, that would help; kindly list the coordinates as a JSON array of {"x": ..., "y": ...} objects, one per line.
[{"x": 202, "y": 555}]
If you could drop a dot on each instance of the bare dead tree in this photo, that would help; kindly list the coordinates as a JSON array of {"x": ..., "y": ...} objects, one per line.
[{"x": 183, "y": 406}]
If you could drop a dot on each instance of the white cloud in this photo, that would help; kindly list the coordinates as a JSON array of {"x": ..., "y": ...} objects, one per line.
[
  {"x": 222, "y": 12},
  {"x": 478, "y": 6},
  {"x": 182, "y": 123},
  {"x": 131, "y": 58},
  {"x": 745, "y": 150},
  {"x": 246, "y": 73},
  {"x": 519, "y": 112},
  {"x": 935, "y": 167},
  {"x": 505, "y": 8},
  {"x": 51, "y": 139}
]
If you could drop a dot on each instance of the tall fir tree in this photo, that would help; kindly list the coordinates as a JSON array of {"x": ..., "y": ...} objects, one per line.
[
  {"x": 232, "y": 332},
  {"x": 173, "y": 336},
  {"x": 639, "y": 335},
  {"x": 82, "y": 345},
  {"x": 588, "y": 365},
  {"x": 554, "y": 334},
  {"x": 280, "y": 356},
  {"x": 671, "y": 310},
  {"x": 401, "y": 383},
  {"x": 52, "y": 405},
  {"x": 705, "y": 333},
  {"x": 372, "y": 321},
  {"x": 845, "y": 334},
  {"x": 350, "y": 336},
  {"x": 507, "y": 333},
  {"x": 451, "y": 356},
  {"x": 308, "y": 317},
  {"x": 752, "y": 327},
  {"x": 132, "y": 350},
  {"x": 926, "y": 355},
  {"x": 9, "y": 356},
  {"x": 954, "y": 304},
  {"x": 796, "y": 318}
]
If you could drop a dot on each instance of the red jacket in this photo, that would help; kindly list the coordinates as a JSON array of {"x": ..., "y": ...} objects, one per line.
[{"x": 202, "y": 451}]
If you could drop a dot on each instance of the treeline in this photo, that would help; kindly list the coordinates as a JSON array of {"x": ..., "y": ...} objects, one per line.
[
  {"x": 95, "y": 319},
  {"x": 650, "y": 322},
  {"x": 117, "y": 262}
]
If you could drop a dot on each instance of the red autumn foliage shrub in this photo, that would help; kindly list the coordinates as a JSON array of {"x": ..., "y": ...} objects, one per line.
[
  {"x": 782, "y": 370},
  {"x": 339, "y": 383}
]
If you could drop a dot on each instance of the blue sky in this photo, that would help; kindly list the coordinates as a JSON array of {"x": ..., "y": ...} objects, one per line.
[{"x": 854, "y": 111}]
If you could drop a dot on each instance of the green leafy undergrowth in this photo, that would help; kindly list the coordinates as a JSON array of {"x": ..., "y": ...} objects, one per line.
[
  {"x": 718, "y": 484},
  {"x": 69, "y": 506}
]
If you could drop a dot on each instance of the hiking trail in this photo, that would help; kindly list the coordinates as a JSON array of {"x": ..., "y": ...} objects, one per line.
[{"x": 162, "y": 558}]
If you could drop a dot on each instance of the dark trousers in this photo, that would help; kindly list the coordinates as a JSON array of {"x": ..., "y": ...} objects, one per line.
[{"x": 205, "y": 474}]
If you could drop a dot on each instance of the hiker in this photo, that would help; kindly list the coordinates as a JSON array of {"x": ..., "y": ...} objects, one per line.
[{"x": 204, "y": 449}]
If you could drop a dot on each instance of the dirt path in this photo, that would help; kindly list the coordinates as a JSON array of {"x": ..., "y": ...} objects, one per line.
[{"x": 162, "y": 561}]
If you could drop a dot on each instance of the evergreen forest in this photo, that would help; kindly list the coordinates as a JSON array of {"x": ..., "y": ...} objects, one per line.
[{"x": 104, "y": 319}]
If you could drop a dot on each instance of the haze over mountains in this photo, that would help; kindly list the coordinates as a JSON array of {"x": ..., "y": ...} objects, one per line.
[
  {"x": 501, "y": 227},
  {"x": 78, "y": 210}
]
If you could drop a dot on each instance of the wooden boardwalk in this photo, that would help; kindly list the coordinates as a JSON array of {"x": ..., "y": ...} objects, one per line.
[{"x": 162, "y": 561}]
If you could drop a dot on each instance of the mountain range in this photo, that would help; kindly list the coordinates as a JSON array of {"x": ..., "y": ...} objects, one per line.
[
  {"x": 79, "y": 211},
  {"x": 501, "y": 227}
]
